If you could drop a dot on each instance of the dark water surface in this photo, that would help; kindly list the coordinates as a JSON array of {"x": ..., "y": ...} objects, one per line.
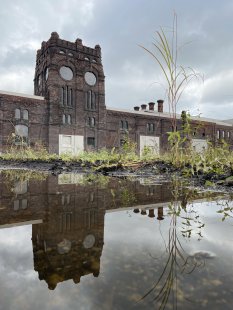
[{"x": 92, "y": 242}]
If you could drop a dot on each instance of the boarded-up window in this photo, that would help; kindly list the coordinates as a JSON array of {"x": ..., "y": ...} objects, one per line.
[{"x": 21, "y": 134}]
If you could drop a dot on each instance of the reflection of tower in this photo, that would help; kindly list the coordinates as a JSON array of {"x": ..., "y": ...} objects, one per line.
[{"x": 69, "y": 244}]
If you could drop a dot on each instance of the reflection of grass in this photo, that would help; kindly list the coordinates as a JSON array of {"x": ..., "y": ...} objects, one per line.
[
  {"x": 23, "y": 175},
  {"x": 94, "y": 179},
  {"x": 127, "y": 198},
  {"x": 226, "y": 209},
  {"x": 178, "y": 262}
]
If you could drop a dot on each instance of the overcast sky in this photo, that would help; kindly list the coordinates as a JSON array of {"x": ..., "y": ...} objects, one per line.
[{"x": 120, "y": 26}]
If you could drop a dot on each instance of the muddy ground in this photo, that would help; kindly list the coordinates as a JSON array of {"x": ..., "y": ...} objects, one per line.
[{"x": 157, "y": 168}]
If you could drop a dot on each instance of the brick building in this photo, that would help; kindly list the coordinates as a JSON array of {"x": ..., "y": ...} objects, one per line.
[{"x": 67, "y": 112}]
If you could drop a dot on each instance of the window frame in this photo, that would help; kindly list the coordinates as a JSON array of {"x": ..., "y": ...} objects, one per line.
[{"x": 91, "y": 139}]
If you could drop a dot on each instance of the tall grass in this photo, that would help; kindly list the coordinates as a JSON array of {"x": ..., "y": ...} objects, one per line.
[
  {"x": 177, "y": 77},
  {"x": 218, "y": 160}
]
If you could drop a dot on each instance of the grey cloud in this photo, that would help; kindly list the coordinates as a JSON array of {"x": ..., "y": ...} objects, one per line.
[
  {"x": 119, "y": 26},
  {"x": 218, "y": 90}
]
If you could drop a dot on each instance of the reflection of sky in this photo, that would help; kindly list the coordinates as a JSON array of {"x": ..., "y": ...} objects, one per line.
[{"x": 130, "y": 263}]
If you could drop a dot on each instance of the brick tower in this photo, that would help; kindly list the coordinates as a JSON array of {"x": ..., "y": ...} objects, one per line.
[{"x": 70, "y": 76}]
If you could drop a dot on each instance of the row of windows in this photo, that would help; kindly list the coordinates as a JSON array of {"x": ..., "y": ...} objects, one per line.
[
  {"x": 125, "y": 126},
  {"x": 195, "y": 132},
  {"x": 223, "y": 134},
  {"x": 66, "y": 96},
  {"x": 150, "y": 127},
  {"x": 63, "y": 52},
  {"x": 21, "y": 114},
  {"x": 20, "y": 204},
  {"x": 90, "y": 100},
  {"x": 66, "y": 119}
]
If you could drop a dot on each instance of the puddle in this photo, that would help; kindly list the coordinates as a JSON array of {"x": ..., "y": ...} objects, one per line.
[{"x": 80, "y": 241}]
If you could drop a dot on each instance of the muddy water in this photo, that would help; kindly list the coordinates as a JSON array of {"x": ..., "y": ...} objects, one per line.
[{"x": 91, "y": 242}]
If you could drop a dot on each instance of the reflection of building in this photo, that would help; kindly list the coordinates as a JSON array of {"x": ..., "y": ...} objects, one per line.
[
  {"x": 68, "y": 219},
  {"x": 67, "y": 112},
  {"x": 69, "y": 244}
]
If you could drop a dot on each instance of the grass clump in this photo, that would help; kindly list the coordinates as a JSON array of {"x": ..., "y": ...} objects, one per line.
[
  {"x": 22, "y": 153},
  {"x": 213, "y": 160}
]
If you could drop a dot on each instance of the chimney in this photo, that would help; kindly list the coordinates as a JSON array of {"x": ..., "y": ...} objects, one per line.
[
  {"x": 160, "y": 105},
  {"x": 136, "y": 108},
  {"x": 143, "y": 106},
  {"x": 151, "y": 106},
  {"x": 79, "y": 42}
]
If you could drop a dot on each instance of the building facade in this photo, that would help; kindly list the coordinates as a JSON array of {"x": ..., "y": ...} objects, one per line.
[{"x": 67, "y": 112}]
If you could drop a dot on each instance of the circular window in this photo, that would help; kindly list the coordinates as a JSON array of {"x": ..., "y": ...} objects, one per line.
[
  {"x": 89, "y": 241},
  {"x": 66, "y": 73},
  {"x": 90, "y": 78}
]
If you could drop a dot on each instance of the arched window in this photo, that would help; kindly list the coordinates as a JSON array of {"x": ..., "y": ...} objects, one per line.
[
  {"x": 71, "y": 97},
  {"x": 90, "y": 100},
  {"x": 68, "y": 119},
  {"x": 16, "y": 205},
  {"x": 17, "y": 113},
  {"x": 67, "y": 96},
  {"x": 91, "y": 121},
  {"x": 63, "y": 119},
  {"x": 150, "y": 127},
  {"x": 25, "y": 115},
  {"x": 86, "y": 100},
  {"x": 93, "y": 101},
  {"x": 62, "y": 95},
  {"x": 124, "y": 125}
]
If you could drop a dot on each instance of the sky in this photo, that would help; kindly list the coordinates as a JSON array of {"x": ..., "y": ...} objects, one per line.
[{"x": 120, "y": 27}]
